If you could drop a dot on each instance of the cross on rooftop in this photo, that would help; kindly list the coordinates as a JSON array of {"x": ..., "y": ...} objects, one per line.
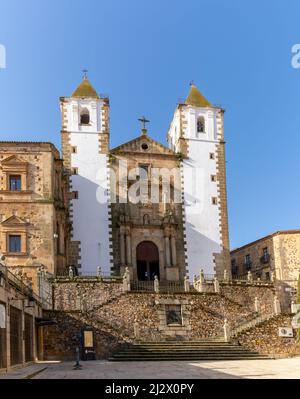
[{"x": 85, "y": 72}]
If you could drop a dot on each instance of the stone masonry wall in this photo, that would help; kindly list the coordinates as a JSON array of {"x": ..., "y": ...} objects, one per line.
[
  {"x": 265, "y": 339},
  {"x": 112, "y": 314}
]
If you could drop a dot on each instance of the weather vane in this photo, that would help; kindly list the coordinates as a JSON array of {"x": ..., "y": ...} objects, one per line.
[
  {"x": 85, "y": 72},
  {"x": 143, "y": 121}
]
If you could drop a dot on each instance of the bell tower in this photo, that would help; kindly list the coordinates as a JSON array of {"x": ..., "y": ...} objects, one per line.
[
  {"x": 85, "y": 146},
  {"x": 197, "y": 133}
]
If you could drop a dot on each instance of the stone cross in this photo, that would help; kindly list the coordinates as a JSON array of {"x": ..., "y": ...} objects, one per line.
[{"x": 143, "y": 121}]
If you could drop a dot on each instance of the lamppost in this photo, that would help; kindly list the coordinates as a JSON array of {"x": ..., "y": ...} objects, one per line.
[{"x": 77, "y": 365}]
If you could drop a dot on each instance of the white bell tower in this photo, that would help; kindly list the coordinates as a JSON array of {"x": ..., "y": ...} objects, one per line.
[
  {"x": 85, "y": 141},
  {"x": 197, "y": 132}
]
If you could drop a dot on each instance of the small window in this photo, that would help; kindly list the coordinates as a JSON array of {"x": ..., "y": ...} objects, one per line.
[
  {"x": 145, "y": 146},
  {"x": 146, "y": 219},
  {"x": 201, "y": 125},
  {"x": 214, "y": 200},
  {"x": 74, "y": 149},
  {"x": 143, "y": 172},
  {"x": 248, "y": 262},
  {"x": 266, "y": 251},
  {"x": 211, "y": 155},
  {"x": 15, "y": 183},
  {"x": 213, "y": 178},
  {"x": 75, "y": 195},
  {"x": 173, "y": 314},
  {"x": 74, "y": 171},
  {"x": 234, "y": 268},
  {"x": 85, "y": 117},
  {"x": 14, "y": 243}
]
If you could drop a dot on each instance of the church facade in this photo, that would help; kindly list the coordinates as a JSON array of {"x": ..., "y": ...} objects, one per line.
[{"x": 156, "y": 210}]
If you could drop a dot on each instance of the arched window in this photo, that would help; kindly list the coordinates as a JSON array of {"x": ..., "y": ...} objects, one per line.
[
  {"x": 201, "y": 125},
  {"x": 84, "y": 117}
]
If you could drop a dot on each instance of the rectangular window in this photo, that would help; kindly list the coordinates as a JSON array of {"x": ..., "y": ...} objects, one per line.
[
  {"x": 211, "y": 155},
  {"x": 214, "y": 200},
  {"x": 15, "y": 183},
  {"x": 213, "y": 178},
  {"x": 266, "y": 252},
  {"x": 74, "y": 150},
  {"x": 144, "y": 172},
  {"x": 14, "y": 244},
  {"x": 248, "y": 262},
  {"x": 74, "y": 171},
  {"x": 234, "y": 267},
  {"x": 173, "y": 314}
]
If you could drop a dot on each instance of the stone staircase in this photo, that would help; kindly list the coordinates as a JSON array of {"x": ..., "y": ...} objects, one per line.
[{"x": 184, "y": 350}]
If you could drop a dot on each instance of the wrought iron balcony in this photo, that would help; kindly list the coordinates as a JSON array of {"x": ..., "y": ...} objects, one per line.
[{"x": 265, "y": 259}]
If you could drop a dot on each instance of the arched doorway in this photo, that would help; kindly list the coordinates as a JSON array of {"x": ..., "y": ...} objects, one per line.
[{"x": 147, "y": 261}]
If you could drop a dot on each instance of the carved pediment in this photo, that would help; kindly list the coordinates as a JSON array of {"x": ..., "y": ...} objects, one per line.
[
  {"x": 144, "y": 145},
  {"x": 13, "y": 159},
  {"x": 14, "y": 221},
  {"x": 14, "y": 163}
]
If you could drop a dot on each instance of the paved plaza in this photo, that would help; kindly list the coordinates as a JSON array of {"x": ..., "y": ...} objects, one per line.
[{"x": 249, "y": 369}]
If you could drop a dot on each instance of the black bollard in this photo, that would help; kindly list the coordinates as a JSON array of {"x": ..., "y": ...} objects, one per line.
[{"x": 77, "y": 365}]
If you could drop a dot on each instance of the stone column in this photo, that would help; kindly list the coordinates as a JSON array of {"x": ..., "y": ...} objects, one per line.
[
  {"x": 227, "y": 331},
  {"x": 156, "y": 284},
  {"x": 167, "y": 250},
  {"x": 216, "y": 286},
  {"x": 277, "y": 307},
  {"x": 122, "y": 245},
  {"x": 257, "y": 305},
  {"x": 173, "y": 249},
  {"x": 128, "y": 246},
  {"x": 186, "y": 284},
  {"x": 136, "y": 330}
]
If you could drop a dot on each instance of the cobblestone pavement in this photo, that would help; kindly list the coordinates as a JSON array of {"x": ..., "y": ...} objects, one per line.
[{"x": 252, "y": 369}]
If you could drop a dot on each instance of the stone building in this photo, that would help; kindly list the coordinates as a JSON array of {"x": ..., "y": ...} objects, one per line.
[
  {"x": 275, "y": 257},
  {"x": 156, "y": 210},
  {"x": 20, "y": 314},
  {"x": 34, "y": 223}
]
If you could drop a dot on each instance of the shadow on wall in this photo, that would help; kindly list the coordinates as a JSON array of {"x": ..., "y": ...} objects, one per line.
[
  {"x": 202, "y": 257},
  {"x": 62, "y": 339},
  {"x": 91, "y": 206}
]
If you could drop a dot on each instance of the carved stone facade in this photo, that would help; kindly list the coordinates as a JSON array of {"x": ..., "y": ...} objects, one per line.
[
  {"x": 33, "y": 216},
  {"x": 147, "y": 222},
  {"x": 276, "y": 257}
]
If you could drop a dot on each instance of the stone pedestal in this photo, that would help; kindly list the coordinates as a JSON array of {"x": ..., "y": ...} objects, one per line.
[{"x": 172, "y": 274}]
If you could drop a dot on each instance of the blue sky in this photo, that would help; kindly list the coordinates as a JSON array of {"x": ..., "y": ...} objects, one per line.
[{"x": 144, "y": 54}]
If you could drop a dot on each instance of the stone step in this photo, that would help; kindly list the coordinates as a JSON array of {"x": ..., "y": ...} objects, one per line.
[
  {"x": 186, "y": 358},
  {"x": 176, "y": 351}
]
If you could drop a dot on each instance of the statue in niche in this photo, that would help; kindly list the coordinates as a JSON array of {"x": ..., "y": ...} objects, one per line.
[{"x": 146, "y": 219}]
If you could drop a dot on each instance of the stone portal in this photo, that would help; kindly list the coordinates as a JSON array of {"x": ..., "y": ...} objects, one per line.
[{"x": 147, "y": 261}]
